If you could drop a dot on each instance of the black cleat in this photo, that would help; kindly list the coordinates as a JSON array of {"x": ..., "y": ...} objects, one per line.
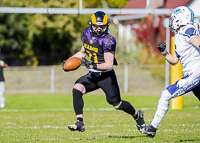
[
  {"x": 78, "y": 126},
  {"x": 140, "y": 119},
  {"x": 149, "y": 130}
]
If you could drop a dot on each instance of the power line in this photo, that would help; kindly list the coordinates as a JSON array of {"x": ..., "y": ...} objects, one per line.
[{"x": 82, "y": 11}]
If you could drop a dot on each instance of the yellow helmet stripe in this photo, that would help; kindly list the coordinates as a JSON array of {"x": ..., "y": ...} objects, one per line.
[
  {"x": 105, "y": 19},
  {"x": 93, "y": 17}
]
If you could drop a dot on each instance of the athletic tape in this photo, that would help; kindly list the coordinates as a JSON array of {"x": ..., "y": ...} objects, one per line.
[{"x": 164, "y": 52}]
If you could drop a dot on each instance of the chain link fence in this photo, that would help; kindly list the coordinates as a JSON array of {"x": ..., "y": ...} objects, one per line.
[{"x": 53, "y": 80}]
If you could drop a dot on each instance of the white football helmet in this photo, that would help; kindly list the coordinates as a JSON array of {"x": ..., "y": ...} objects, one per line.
[{"x": 181, "y": 15}]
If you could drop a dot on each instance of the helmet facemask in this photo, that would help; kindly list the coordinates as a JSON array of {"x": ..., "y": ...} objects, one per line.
[
  {"x": 173, "y": 23},
  {"x": 99, "y": 29}
]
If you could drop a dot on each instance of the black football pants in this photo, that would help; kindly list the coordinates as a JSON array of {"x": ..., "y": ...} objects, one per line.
[{"x": 107, "y": 81}]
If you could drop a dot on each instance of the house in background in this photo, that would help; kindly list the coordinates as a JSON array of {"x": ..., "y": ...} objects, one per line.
[{"x": 146, "y": 30}]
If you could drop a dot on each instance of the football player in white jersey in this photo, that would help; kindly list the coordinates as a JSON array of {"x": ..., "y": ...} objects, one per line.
[{"x": 187, "y": 50}]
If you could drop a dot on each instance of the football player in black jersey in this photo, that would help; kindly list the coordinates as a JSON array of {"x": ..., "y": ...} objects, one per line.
[{"x": 99, "y": 46}]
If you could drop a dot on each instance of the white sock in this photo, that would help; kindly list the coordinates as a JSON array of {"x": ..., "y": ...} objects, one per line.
[{"x": 162, "y": 108}]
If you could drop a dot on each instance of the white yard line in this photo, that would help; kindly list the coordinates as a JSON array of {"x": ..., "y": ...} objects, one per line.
[
  {"x": 71, "y": 109},
  {"x": 65, "y": 109}
]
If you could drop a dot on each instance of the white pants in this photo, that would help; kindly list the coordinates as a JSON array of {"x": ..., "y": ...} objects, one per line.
[
  {"x": 171, "y": 92},
  {"x": 2, "y": 92}
]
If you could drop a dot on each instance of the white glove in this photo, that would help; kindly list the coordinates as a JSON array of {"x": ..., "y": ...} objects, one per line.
[{"x": 182, "y": 82}]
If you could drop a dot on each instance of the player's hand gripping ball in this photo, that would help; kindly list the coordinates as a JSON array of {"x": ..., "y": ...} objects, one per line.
[
  {"x": 71, "y": 64},
  {"x": 85, "y": 63}
]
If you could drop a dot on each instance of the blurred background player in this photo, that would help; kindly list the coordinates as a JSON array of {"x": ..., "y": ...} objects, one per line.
[
  {"x": 99, "y": 46},
  {"x": 187, "y": 50},
  {"x": 2, "y": 81}
]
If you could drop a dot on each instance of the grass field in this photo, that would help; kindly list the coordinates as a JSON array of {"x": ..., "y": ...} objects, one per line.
[{"x": 44, "y": 118}]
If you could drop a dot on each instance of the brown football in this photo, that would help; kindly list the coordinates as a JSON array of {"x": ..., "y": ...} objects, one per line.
[{"x": 72, "y": 63}]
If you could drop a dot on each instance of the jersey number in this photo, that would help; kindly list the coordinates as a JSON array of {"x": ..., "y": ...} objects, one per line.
[{"x": 90, "y": 57}]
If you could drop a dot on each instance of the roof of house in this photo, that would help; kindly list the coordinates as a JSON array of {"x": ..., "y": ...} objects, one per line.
[
  {"x": 157, "y": 3},
  {"x": 133, "y": 4},
  {"x": 136, "y": 4},
  {"x": 153, "y": 4},
  {"x": 175, "y": 3}
]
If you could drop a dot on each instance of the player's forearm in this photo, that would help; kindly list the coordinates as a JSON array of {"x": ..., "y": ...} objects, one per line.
[
  {"x": 170, "y": 58},
  {"x": 109, "y": 60},
  {"x": 195, "y": 41},
  {"x": 103, "y": 66},
  {"x": 79, "y": 54}
]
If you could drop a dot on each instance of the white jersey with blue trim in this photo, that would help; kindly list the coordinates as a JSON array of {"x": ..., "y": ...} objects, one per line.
[{"x": 188, "y": 54}]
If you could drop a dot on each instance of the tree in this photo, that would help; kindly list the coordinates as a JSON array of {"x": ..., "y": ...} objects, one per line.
[
  {"x": 45, "y": 39},
  {"x": 39, "y": 39}
]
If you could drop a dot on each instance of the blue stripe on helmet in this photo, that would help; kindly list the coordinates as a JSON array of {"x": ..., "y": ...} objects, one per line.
[{"x": 192, "y": 15}]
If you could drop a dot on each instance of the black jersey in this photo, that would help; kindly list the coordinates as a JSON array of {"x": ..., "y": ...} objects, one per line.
[{"x": 95, "y": 48}]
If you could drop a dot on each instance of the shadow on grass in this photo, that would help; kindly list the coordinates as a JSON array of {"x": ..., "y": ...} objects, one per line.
[
  {"x": 125, "y": 137},
  {"x": 120, "y": 137},
  {"x": 190, "y": 140}
]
